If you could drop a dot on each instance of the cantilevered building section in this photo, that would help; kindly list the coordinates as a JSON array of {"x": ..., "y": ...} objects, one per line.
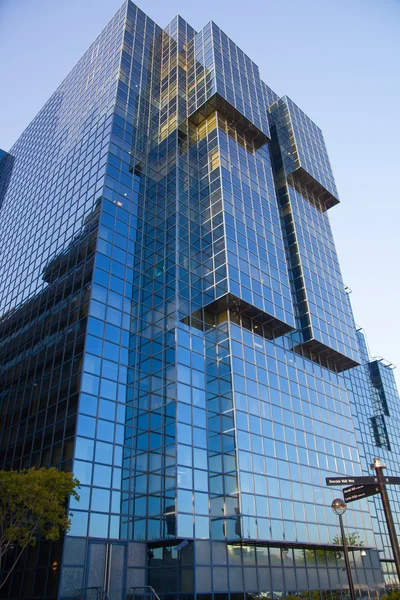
[{"x": 175, "y": 330}]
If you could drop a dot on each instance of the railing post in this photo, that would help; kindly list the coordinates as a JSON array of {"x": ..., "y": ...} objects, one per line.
[{"x": 148, "y": 587}]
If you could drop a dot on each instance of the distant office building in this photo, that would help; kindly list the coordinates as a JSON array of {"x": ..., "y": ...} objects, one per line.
[{"x": 175, "y": 329}]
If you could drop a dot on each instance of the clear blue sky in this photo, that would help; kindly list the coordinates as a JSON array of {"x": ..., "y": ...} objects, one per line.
[{"x": 339, "y": 60}]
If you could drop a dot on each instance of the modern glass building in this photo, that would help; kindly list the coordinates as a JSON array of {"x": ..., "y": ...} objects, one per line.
[{"x": 175, "y": 330}]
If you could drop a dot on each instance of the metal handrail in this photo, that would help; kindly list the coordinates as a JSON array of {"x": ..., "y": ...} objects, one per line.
[
  {"x": 144, "y": 587},
  {"x": 105, "y": 596},
  {"x": 98, "y": 588}
]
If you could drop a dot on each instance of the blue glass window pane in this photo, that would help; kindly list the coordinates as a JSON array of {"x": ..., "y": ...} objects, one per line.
[
  {"x": 107, "y": 409},
  {"x": 201, "y": 527},
  {"x": 117, "y": 478},
  {"x": 100, "y": 500},
  {"x": 199, "y": 437},
  {"x": 102, "y": 476},
  {"x": 115, "y": 522},
  {"x": 95, "y": 327},
  {"x": 112, "y": 333},
  {"x": 98, "y": 525},
  {"x": 86, "y": 426},
  {"x": 105, "y": 430},
  {"x": 110, "y": 350},
  {"x": 201, "y": 503},
  {"x": 104, "y": 453},
  {"x": 84, "y": 448},
  {"x": 200, "y": 480},
  {"x": 110, "y": 370},
  {"x": 88, "y": 404},
  {"x": 83, "y": 502},
  {"x": 199, "y": 397},
  {"x": 184, "y": 433},
  {"x": 79, "y": 523},
  {"x": 185, "y": 526},
  {"x": 108, "y": 389},
  {"x": 92, "y": 364},
  {"x": 93, "y": 345},
  {"x": 90, "y": 384}
]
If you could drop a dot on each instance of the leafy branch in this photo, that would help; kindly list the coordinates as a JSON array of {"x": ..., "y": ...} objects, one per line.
[{"x": 32, "y": 505}]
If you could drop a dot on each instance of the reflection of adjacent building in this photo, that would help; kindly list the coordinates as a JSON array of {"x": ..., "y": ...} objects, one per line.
[{"x": 41, "y": 349}]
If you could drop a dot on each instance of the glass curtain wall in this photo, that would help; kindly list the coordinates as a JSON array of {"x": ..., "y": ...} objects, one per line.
[{"x": 175, "y": 331}]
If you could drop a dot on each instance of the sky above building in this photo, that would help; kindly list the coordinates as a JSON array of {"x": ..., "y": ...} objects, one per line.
[{"x": 339, "y": 61}]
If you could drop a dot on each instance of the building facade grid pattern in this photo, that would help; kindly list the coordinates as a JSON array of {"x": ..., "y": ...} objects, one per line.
[{"x": 153, "y": 331}]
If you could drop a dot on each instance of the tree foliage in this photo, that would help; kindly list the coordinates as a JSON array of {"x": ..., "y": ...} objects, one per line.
[
  {"x": 33, "y": 504},
  {"x": 393, "y": 595},
  {"x": 352, "y": 539},
  {"x": 322, "y": 554},
  {"x": 326, "y": 595}
]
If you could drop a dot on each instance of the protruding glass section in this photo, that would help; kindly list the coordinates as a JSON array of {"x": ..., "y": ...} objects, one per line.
[
  {"x": 221, "y": 77},
  {"x": 303, "y": 150}
]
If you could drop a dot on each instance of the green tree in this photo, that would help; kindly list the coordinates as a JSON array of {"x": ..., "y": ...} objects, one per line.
[
  {"x": 352, "y": 539},
  {"x": 32, "y": 505},
  {"x": 326, "y": 595},
  {"x": 393, "y": 595},
  {"x": 320, "y": 554}
]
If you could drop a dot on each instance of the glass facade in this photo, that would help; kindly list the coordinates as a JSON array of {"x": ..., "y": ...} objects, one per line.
[
  {"x": 375, "y": 407},
  {"x": 175, "y": 330}
]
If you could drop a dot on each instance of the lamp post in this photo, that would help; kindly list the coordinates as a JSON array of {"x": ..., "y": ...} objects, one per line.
[{"x": 339, "y": 508}]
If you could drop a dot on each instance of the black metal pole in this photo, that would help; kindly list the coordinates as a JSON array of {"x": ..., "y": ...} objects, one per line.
[
  {"x": 347, "y": 560},
  {"x": 378, "y": 466}
]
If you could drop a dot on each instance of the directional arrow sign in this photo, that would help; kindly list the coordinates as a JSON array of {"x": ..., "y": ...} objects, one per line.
[
  {"x": 354, "y": 480},
  {"x": 338, "y": 481},
  {"x": 392, "y": 480},
  {"x": 357, "y": 492}
]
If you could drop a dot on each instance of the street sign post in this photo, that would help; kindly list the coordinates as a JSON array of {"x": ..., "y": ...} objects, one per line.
[
  {"x": 363, "y": 487},
  {"x": 378, "y": 465}
]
